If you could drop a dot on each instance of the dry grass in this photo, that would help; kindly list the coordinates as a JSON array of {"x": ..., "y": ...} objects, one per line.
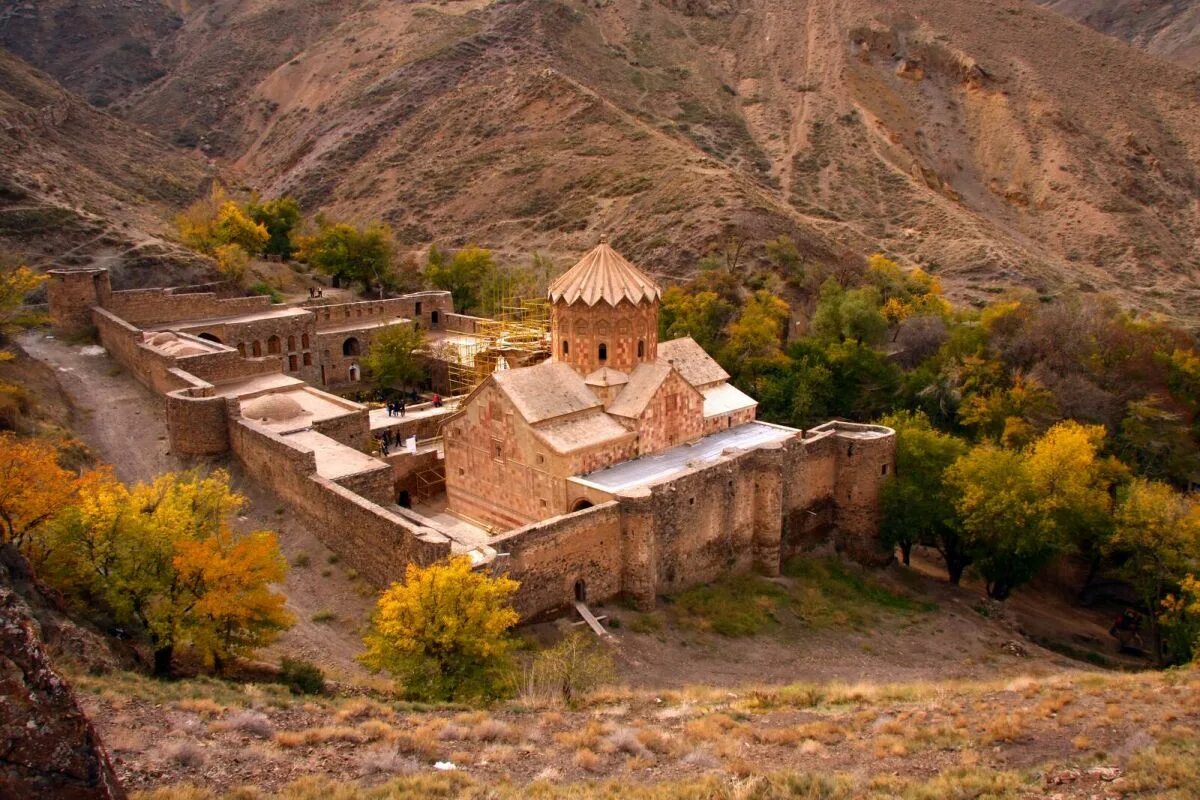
[{"x": 587, "y": 759}]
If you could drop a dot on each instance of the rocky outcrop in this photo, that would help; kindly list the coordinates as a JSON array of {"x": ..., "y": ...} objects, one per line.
[{"x": 48, "y": 748}]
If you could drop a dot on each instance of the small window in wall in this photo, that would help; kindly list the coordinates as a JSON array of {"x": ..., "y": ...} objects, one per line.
[
  {"x": 433, "y": 317},
  {"x": 566, "y": 348},
  {"x": 308, "y": 359},
  {"x": 291, "y": 343},
  {"x": 417, "y": 310},
  {"x": 274, "y": 345},
  {"x": 304, "y": 341},
  {"x": 461, "y": 472},
  {"x": 541, "y": 459},
  {"x": 293, "y": 364},
  {"x": 884, "y": 470},
  {"x": 256, "y": 348},
  {"x": 497, "y": 450},
  {"x": 603, "y": 352},
  {"x": 641, "y": 348}
]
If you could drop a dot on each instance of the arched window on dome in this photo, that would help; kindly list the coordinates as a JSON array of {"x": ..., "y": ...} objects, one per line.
[
  {"x": 566, "y": 348},
  {"x": 641, "y": 348},
  {"x": 603, "y": 351}
]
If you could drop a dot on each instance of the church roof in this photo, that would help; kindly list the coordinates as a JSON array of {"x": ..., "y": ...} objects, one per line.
[
  {"x": 607, "y": 376},
  {"x": 643, "y": 385},
  {"x": 604, "y": 274},
  {"x": 545, "y": 391},
  {"x": 696, "y": 366}
]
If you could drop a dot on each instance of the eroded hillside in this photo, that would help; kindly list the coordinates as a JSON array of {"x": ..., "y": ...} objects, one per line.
[
  {"x": 78, "y": 186},
  {"x": 1166, "y": 28},
  {"x": 995, "y": 142}
]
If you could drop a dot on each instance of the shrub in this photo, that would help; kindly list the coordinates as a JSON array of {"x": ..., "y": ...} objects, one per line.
[
  {"x": 302, "y": 677},
  {"x": 572, "y": 668},
  {"x": 253, "y": 723},
  {"x": 186, "y": 753}
]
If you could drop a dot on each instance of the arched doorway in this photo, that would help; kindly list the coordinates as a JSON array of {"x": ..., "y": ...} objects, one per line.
[
  {"x": 355, "y": 373},
  {"x": 580, "y": 591},
  {"x": 209, "y": 337},
  {"x": 351, "y": 347},
  {"x": 581, "y": 504},
  {"x": 405, "y": 499}
]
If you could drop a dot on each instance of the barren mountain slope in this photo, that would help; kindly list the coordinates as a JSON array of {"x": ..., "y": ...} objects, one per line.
[
  {"x": 994, "y": 141},
  {"x": 78, "y": 186},
  {"x": 1166, "y": 28}
]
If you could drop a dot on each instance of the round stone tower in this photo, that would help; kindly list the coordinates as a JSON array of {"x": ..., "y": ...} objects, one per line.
[{"x": 604, "y": 313}]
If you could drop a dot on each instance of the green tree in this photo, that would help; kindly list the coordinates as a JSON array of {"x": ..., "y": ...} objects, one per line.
[
  {"x": 396, "y": 356},
  {"x": 279, "y": 217},
  {"x": 1003, "y": 519},
  {"x": 918, "y": 505},
  {"x": 756, "y": 339},
  {"x": 850, "y": 315},
  {"x": 443, "y": 631},
  {"x": 463, "y": 275},
  {"x": 1157, "y": 541},
  {"x": 350, "y": 254},
  {"x": 701, "y": 315}
]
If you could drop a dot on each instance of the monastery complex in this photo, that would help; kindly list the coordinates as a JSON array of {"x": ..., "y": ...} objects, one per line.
[{"x": 604, "y": 463}]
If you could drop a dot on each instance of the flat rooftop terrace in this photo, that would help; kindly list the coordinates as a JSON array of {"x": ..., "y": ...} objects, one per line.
[
  {"x": 334, "y": 459},
  {"x": 677, "y": 460},
  {"x": 256, "y": 384},
  {"x": 362, "y": 325}
]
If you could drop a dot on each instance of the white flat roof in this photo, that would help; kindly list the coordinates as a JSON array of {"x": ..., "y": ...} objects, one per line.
[
  {"x": 334, "y": 459},
  {"x": 669, "y": 463},
  {"x": 188, "y": 324}
]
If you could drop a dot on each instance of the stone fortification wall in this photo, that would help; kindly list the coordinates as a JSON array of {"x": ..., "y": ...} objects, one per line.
[
  {"x": 352, "y": 429},
  {"x": 462, "y": 323},
  {"x": 375, "y": 485},
  {"x": 123, "y": 342},
  {"x": 429, "y": 309},
  {"x": 866, "y": 459},
  {"x": 72, "y": 293},
  {"x": 150, "y": 306},
  {"x": 376, "y": 542},
  {"x": 551, "y": 556},
  {"x": 197, "y": 421}
]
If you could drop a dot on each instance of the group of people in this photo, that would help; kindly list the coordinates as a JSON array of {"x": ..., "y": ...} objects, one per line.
[
  {"x": 316, "y": 291},
  {"x": 387, "y": 440},
  {"x": 395, "y": 408}
]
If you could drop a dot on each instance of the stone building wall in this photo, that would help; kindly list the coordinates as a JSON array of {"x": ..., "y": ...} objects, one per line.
[
  {"x": 287, "y": 341},
  {"x": 673, "y": 416},
  {"x": 550, "y": 557},
  {"x": 72, "y": 293},
  {"x": 721, "y": 422},
  {"x": 428, "y": 309},
  {"x": 352, "y": 429},
  {"x": 371, "y": 539},
  {"x": 160, "y": 306},
  {"x": 628, "y": 332},
  {"x": 197, "y": 422}
]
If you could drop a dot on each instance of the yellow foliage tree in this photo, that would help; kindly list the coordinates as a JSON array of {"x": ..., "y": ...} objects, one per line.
[
  {"x": 220, "y": 227},
  {"x": 444, "y": 631},
  {"x": 160, "y": 558},
  {"x": 16, "y": 283}
]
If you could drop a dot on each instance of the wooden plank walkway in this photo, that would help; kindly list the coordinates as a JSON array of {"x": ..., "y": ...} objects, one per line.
[{"x": 590, "y": 619}]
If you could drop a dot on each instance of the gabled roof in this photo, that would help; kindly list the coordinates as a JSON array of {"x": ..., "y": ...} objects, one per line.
[
  {"x": 643, "y": 384},
  {"x": 581, "y": 433},
  {"x": 604, "y": 274},
  {"x": 607, "y": 376},
  {"x": 696, "y": 366},
  {"x": 725, "y": 398},
  {"x": 545, "y": 391}
]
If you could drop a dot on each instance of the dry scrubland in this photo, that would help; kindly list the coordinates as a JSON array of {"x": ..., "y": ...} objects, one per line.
[{"x": 1070, "y": 735}]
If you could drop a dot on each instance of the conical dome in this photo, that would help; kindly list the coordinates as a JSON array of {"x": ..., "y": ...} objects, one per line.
[{"x": 604, "y": 274}]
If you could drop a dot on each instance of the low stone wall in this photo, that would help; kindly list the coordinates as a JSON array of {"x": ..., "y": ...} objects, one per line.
[
  {"x": 550, "y": 557},
  {"x": 352, "y": 429},
  {"x": 123, "y": 342},
  {"x": 426, "y": 427},
  {"x": 374, "y": 541},
  {"x": 462, "y": 323},
  {"x": 375, "y": 485}
]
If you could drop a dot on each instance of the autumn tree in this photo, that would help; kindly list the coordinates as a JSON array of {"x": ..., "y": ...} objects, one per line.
[
  {"x": 443, "y": 631},
  {"x": 17, "y": 282},
  {"x": 1180, "y": 622},
  {"x": 396, "y": 356},
  {"x": 220, "y": 227},
  {"x": 917, "y": 504},
  {"x": 34, "y": 489},
  {"x": 159, "y": 558},
  {"x": 1156, "y": 539},
  {"x": 463, "y": 274}
]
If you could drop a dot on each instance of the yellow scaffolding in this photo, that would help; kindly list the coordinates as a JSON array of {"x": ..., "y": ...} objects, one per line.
[{"x": 518, "y": 335}]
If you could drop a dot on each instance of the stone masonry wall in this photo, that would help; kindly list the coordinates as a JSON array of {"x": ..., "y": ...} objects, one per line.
[
  {"x": 549, "y": 557},
  {"x": 73, "y": 293},
  {"x": 153, "y": 306},
  {"x": 371, "y": 539},
  {"x": 583, "y": 328}
]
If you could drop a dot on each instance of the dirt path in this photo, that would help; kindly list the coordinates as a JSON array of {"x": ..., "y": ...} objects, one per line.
[{"x": 124, "y": 424}]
